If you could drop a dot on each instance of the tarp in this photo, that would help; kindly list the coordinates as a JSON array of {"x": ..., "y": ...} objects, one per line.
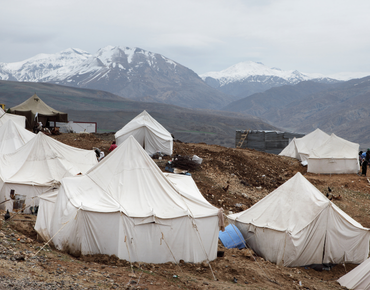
[
  {"x": 126, "y": 206},
  {"x": 300, "y": 148},
  {"x": 38, "y": 165},
  {"x": 336, "y": 155},
  {"x": 296, "y": 225},
  {"x": 13, "y": 136},
  {"x": 232, "y": 237},
  {"x": 4, "y": 117},
  {"x": 358, "y": 278},
  {"x": 45, "y": 113},
  {"x": 148, "y": 132}
]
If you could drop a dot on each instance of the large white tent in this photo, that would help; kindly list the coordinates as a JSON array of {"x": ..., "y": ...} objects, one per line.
[
  {"x": 38, "y": 165},
  {"x": 4, "y": 117},
  {"x": 335, "y": 156},
  {"x": 126, "y": 206},
  {"x": 13, "y": 136},
  {"x": 296, "y": 225},
  {"x": 358, "y": 278},
  {"x": 148, "y": 132},
  {"x": 300, "y": 148}
]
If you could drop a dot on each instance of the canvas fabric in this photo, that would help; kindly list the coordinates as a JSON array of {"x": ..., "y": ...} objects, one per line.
[
  {"x": 358, "y": 278},
  {"x": 34, "y": 105},
  {"x": 296, "y": 225},
  {"x": 126, "y": 206},
  {"x": 4, "y": 117},
  {"x": 39, "y": 164},
  {"x": 148, "y": 132},
  {"x": 13, "y": 136},
  {"x": 300, "y": 148},
  {"x": 335, "y": 156}
]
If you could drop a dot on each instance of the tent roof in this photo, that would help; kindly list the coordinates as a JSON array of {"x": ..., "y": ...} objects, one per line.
[
  {"x": 336, "y": 147},
  {"x": 311, "y": 141},
  {"x": 36, "y": 105},
  {"x": 44, "y": 161},
  {"x": 305, "y": 144},
  {"x": 358, "y": 278},
  {"x": 4, "y": 117},
  {"x": 128, "y": 180},
  {"x": 144, "y": 120},
  {"x": 290, "y": 207},
  {"x": 13, "y": 136}
]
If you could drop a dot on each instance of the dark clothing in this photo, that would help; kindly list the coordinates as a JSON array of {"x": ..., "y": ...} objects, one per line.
[
  {"x": 367, "y": 157},
  {"x": 364, "y": 167}
]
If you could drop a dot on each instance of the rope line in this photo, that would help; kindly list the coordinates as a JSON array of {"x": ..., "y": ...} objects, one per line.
[{"x": 55, "y": 234}]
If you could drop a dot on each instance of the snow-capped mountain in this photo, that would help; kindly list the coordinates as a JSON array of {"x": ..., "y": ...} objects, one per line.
[
  {"x": 247, "y": 78},
  {"x": 44, "y": 67},
  {"x": 128, "y": 72}
]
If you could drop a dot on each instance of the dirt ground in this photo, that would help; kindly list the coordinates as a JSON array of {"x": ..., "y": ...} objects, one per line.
[{"x": 234, "y": 179}]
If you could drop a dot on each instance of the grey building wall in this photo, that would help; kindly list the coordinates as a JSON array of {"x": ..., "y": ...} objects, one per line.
[{"x": 264, "y": 140}]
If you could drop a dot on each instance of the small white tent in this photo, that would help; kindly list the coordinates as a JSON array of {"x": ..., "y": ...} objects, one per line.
[
  {"x": 358, "y": 278},
  {"x": 296, "y": 225},
  {"x": 126, "y": 206},
  {"x": 38, "y": 165},
  {"x": 13, "y": 136},
  {"x": 300, "y": 148},
  {"x": 4, "y": 117},
  {"x": 151, "y": 135},
  {"x": 334, "y": 156}
]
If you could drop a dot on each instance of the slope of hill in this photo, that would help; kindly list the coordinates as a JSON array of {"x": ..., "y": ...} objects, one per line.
[
  {"x": 133, "y": 73},
  {"x": 27, "y": 263},
  {"x": 247, "y": 78},
  {"x": 337, "y": 108},
  {"x": 112, "y": 112}
]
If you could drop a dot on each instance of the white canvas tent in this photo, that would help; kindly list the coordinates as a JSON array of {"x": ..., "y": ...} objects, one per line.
[
  {"x": 334, "y": 156},
  {"x": 126, "y": 206},
  {"x": 358, "y": 278},
  {"x": 13, "y": 136},
  {"x": 38, "y": 165},
  {"x": 296, "y": 225},
  {"x": 4, "y": 117},
  {"x": 148, "y": 132},
  {"x": 300, "y": 148}
]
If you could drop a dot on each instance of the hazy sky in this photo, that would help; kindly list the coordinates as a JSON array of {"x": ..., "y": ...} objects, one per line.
[{"x": 312, "y": 36}]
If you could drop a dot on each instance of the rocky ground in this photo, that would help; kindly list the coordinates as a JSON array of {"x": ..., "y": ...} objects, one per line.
[{"x": 234, "y": 179}]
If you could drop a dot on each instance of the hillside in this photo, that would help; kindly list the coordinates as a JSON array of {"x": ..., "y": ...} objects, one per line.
[
  {"x": 251, "y": 175},
  {"x": 336, "y": 108},
  {"x": 112, "y": 112}
]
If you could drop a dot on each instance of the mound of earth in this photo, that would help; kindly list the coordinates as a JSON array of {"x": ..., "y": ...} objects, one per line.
[{"x": 233, "y": 179}]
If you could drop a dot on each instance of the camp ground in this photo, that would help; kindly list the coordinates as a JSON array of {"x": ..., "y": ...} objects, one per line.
[{"x": 128, "y": 218}]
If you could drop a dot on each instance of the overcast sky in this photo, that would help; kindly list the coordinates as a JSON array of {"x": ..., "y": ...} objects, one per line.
[{"x": 312, "y": 36}]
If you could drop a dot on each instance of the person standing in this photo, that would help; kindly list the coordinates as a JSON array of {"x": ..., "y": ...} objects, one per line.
[{"x": 113, "y": 146}]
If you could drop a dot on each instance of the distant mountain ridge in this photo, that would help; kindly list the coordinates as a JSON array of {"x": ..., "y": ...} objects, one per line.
[
  {"x": 247, "y": 78},
  {"x": 112, "y": 112},
  {"x": 133, "y": 73},
  {"x": 339, "y": 108}
]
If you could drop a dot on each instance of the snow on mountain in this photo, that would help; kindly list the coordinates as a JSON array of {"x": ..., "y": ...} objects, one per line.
[
  {"x": 44, "y": 67},
  {"x": 346, "y": 76},
  {"x": 244, "y": 70}
]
